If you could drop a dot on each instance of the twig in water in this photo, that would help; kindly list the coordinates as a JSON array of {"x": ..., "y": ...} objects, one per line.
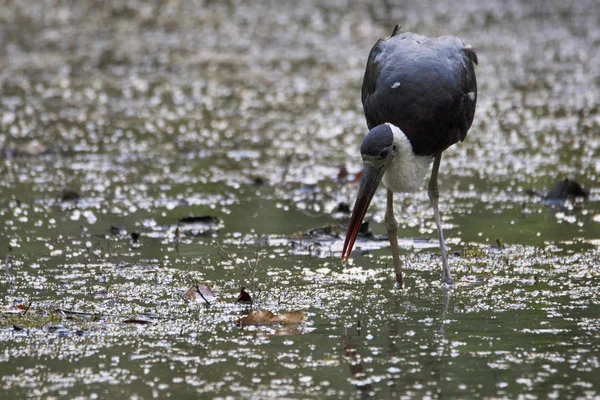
[
  {"x": 177, "y": 239},
  {"x": 200, "y": 292},
  {"x": 249, "y": 273},
  {"x": 28, "y": 307}
]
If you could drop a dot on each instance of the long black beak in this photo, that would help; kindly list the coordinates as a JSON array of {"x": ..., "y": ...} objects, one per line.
[{"x": 371, "y": 177}]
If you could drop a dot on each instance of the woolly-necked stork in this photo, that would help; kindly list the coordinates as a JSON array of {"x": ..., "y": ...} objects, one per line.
[{"x": 419, "y": 97}]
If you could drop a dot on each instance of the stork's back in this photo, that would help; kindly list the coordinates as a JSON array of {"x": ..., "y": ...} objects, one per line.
[{"x": 424, "y": 86}]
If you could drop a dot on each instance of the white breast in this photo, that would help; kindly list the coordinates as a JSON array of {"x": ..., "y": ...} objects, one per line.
[{"x": 407, "y": 171}]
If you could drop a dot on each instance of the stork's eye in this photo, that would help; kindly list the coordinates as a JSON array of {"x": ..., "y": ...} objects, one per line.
[
  {"x": 394, "y": 147},
  {"x": 384, "y": 153}
]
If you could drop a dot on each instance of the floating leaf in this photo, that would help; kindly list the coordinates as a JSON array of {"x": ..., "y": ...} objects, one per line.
[
  {"x": 192, "y": 293},
  {"x": 244, "y": 297},
  {"x": 342, "y": 207},
  {"x": 364, "y": 229},
  {"x": 206, "y": 292},
  {"x": 342, "y": 173},
  {"x": 62, "y": 311},
  {"x": 136, "y": 321},
  {"x": 293, "y": 317},
  {"x": 267, "y": 317},
  {"x": 327, "y": 231},
  {"x": 200, "y": 292},
  {"x": 259, "y": 317},
  {"x": 566, "y": 189},
  {"x": 69, "y": 194}
]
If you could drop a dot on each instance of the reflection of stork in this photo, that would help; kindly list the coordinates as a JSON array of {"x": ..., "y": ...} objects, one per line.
[
  {"x": 419, "y": 98},
  {"x": 357, "y": 374},
  {"x": 432, "y": 364}
]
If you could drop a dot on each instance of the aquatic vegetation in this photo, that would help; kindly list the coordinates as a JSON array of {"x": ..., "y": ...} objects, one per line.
[{"x": 160, "y": 159}]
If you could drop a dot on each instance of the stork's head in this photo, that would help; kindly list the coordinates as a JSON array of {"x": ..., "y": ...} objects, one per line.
[{"x": 378, "y": 149}]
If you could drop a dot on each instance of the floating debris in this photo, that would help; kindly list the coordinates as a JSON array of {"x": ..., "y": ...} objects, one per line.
[
  {"x": 198, "y": 225},
  {"x": 200, "y": 292},
  {"x": 115, "y": 230},
  {"x": 244, "y": 297},
  {"x": 365, "y": 231},
  {"x": 69, "y": 194},
  {"x": 53, "y": 328},
  {"x": 73, "y": 312},
  {"x": 324, "y": 231},
  {"x": 498, "y": 247},
  {"x": 341, "y": 210},
  {"x": 258, "y": 180},
  {"x": 24, "y": 307},
  {"x": 566, "y": 189},
  {"x": 137, "y": 321},
  {"x": 59, "y": 329},
  {"x": 293, "y": 317},
  {"x": 343, "y": 207},
  {"x": 563, "y": 190},
  {"x": 342, "y": 173}
]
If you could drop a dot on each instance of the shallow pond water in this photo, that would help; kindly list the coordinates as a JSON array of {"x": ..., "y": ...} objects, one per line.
[{"x": 129, "y": 117}]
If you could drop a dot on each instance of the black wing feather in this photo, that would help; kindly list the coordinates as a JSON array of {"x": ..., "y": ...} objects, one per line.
[{"x": 426, "y": 87}]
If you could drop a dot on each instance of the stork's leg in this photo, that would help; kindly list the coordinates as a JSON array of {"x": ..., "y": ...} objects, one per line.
[
  {"x": 392, "y": 231},
  {"x": 434, "y": 195}
]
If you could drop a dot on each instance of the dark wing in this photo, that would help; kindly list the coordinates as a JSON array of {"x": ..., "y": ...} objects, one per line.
[{"x": 426, "y": 87}]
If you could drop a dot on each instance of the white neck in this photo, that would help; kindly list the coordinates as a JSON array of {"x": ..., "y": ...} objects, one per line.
[{"x": 407, "y": 171}]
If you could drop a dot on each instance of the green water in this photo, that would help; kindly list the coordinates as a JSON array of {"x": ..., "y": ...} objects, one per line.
[{"x": 155, "y": 111}]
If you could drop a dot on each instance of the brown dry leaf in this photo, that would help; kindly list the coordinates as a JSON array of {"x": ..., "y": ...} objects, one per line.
[
  {"x": 200, "y": 293},
  {"x": 293, "y": 317},
  {"x": 342, "y": 173},
  {"x": 267, "y": 317},
  {"x": 191, "y": 293},
  {"x": 259, "y": 317}
]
